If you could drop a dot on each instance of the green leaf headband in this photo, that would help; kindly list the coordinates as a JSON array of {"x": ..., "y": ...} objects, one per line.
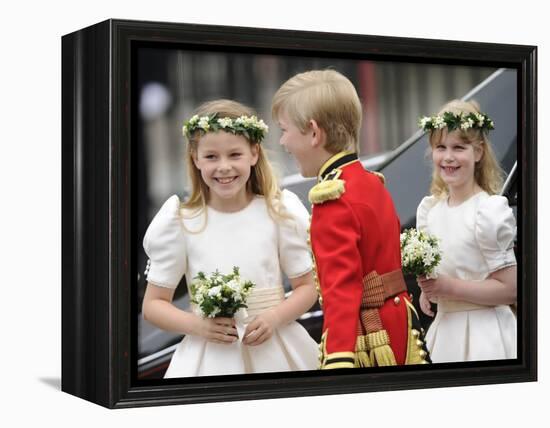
[
  {"x": 456, "y": 121},
  {"x": 249, "y": 126}
]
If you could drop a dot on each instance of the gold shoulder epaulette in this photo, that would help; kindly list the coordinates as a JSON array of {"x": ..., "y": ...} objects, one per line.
[
  {"x": 380, "y": 176},
  {"x": 327, "y": 190}
]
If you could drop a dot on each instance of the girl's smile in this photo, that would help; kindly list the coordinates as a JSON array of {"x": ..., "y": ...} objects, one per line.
[
  {"x": 225, "y": 180},
  {"x": 455, "y": 160},
  {"x": 449, "y": 169}
]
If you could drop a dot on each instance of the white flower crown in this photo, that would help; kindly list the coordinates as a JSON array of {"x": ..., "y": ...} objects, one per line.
[
  {"x": 456, "y": 121},
  {"x": 249, "y": 126}
]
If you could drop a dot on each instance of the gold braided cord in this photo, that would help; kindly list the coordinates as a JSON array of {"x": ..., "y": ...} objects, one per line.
[
  {"x": 370, "y": 319},
  {"x": 373, "y": 291}
]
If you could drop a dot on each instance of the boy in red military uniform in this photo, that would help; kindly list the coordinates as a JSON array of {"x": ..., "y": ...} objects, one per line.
[{"x": 368, "y": 318}]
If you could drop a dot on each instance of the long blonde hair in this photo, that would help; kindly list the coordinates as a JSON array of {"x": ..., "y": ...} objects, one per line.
[
  {"x": 487, "y": 172},
  {"x": 262, "y": 179},
  {"x": 327, "y": 97}
]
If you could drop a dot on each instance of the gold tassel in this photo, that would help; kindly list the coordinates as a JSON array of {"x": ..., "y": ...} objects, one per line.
[
  {"x": 362, "y": 359},
  {"x": 380, "y": 352},
  {"x": 361, "y": 356},
  {"x": 326, "y": 191},
  {"x": 382, "y": 356}
]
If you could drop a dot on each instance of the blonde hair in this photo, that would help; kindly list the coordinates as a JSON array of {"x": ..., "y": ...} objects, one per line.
[
  {"x": 327, "y": 97},
  {"x": 487, "y": 172},
  {"x": 262, "y": 180}
]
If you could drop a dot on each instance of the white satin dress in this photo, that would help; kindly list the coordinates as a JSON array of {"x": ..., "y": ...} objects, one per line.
[
  {"x": 262, "y": 249},
  {"x": 476, "y": 238}
]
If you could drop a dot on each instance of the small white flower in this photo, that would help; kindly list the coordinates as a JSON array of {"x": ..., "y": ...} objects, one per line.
[
  {"x": 194, "y": 119},
  {"x": 203, "y": 123},
  {"x": 234, "y": 285},
  {"x": 184, "y": 130},
  {"x": 226, "y": 122},
  {"x": 480, "y": 119},
  {"x": 438, "y": 122},
  {"x": 215, "y": 291},
  {"x": 424, "y": 121},
  {"x": 263, "y": 126},
  {"x": 467, "y": 124}
]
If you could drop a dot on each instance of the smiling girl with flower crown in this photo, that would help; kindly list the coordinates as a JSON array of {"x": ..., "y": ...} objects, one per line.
[
  {"x": 476, "y": 279},
  {"x": 236, "y": 217}
]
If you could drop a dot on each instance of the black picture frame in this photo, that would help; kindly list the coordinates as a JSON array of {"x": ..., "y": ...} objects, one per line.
[{"x": 98, "y": 302}]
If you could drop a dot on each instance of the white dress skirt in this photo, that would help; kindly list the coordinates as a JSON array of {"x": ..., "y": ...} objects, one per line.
[
  {"x": 476, "y": 239},
  {"x": 179, "y": 243}
]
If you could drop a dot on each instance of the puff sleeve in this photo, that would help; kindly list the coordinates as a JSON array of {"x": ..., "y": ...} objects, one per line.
[
  {"x": 164, "y": 243},
  {"x": 294, "y": 253},
  {"x": 422, "y": 211},
  {"x": 495, "y": 229}
]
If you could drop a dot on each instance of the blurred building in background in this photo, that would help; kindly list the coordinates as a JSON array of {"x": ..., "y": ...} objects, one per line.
[{"x": 172, "y": 83}]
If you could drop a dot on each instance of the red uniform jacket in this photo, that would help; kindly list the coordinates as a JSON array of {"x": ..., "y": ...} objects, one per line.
[{"x": 352, "y": 234}]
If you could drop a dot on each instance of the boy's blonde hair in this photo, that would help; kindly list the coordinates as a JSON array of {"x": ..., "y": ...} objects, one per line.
[
  {"x": 262, "y": 179},
  {"x": 327, "y": 97},
  {"x": 487, "y": 173}
]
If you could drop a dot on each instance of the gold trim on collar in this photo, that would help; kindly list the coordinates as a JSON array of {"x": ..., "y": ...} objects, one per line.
[{"x": 331, "y": 160}]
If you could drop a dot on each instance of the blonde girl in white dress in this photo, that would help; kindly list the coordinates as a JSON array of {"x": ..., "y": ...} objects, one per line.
[
  {"x": 476, "y": 279},
  {"x": 235, "y": 216}
]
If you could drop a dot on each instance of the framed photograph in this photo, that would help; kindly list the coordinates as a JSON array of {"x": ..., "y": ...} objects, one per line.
[{"x": 128, "y": 87}]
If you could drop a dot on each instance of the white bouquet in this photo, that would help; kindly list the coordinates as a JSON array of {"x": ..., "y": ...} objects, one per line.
[
  {"x": 220, "y": 295},
  {"x": 420, "y": 253}
]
